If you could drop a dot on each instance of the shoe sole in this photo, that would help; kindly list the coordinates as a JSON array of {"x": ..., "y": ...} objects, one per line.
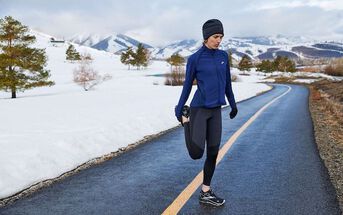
[{"x": 212, "y": 203}]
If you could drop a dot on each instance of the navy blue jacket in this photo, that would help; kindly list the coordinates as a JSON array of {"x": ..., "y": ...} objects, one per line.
[{"x": 211, "y": 69}]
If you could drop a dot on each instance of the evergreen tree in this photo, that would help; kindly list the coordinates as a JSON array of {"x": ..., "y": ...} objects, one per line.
[
  {"x": 69, "y": 52},
  {"x": 265, "y": 66},
  {"x": 283, "y": 64},
  {"x": 245, "y": 64},
  {"x": 175, "y": 60},
  {"x": 141, "y": 57},
  {"x": 22, "y": 67},
  {"x": 127, "y": 57},
  {"x": 276, "y": 63},
  {"x": 72, "y": 54}
]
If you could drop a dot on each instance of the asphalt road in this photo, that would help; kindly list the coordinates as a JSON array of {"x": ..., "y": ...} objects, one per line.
[{"x": 272, "y": 168}]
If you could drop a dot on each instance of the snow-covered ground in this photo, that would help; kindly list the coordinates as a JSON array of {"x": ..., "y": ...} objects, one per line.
[
  {"x": 50, "y": 130},
  {"x": 297, "y": 77}
]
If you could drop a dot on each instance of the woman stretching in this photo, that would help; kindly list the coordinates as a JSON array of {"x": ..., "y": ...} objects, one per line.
[{"x": 202, "y": 121}]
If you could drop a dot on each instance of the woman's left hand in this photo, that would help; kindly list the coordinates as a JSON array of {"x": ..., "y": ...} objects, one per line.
[{"x": 233, "y": 113}]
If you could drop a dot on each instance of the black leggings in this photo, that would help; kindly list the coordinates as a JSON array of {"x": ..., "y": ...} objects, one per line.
[{"x": 205, "y": 125}]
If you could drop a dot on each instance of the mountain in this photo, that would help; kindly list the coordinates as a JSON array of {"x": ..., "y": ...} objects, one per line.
[
  {"x": 114, "y": 43},
  {"x": 256, "y": 48},
  {"x": 182, "y": 47},
  {"x": 261, "y": 48}
]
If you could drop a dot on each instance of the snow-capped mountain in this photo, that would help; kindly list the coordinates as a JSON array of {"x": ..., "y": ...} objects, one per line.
[
  {"x": 260, "y": 48},
  {"x": 88, "y": 39},
  {"x": 114, "y": 43},
  {"x": 182, "y": 47},
  {"x": 256, "y": 48}
]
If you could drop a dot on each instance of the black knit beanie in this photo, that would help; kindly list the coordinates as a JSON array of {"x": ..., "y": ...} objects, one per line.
[{"x": 212, "y": 26}]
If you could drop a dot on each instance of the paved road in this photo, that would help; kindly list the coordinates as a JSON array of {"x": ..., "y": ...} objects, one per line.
[{"x": 272, "y": 168}]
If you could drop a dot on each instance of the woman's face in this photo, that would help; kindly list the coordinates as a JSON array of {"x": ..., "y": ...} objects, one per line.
[{"x": 213, "y": 41}]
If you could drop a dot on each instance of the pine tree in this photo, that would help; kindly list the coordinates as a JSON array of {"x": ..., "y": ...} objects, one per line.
[
  {"x": 265, "y": 66},
  {"x": 283, "y": 64},
  {"x": 127, "y": 57},
  {"x": 245, "y": 64},
  {"x": 175, "y": 60},
  {"x": 72, "y": 54},
  {"x": 141, "y": 57},
  {"x": 22, "y": 67}
]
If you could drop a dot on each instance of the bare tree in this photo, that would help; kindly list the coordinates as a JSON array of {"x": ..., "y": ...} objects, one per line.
[{"x": 86, "y": 76}]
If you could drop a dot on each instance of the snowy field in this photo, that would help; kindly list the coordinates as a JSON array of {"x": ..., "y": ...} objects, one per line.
[{"x": 50, "y": 130}]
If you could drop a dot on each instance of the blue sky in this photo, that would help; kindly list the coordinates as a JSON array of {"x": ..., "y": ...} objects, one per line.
[{"x": 159, "y": 22}]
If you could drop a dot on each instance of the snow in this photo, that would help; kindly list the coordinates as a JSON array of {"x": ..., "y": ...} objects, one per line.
[
  {"x": 88, "y": 39},
  {"x": 315, "y": 76},
  {"x": 307, "y": 81},
  {"x": 113, "y": 42},
  {"x": 48, "y": 131},
  {"x": 300, "y": 77}
]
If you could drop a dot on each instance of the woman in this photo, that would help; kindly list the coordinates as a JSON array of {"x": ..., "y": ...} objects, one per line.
[{"x": 210, "y": 67}]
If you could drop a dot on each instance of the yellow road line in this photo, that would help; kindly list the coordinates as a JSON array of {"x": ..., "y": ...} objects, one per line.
[{"x": 184, "y": 196}]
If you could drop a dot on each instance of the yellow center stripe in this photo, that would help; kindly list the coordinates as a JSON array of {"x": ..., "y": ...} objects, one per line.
[{"x": 184, "y": 196}]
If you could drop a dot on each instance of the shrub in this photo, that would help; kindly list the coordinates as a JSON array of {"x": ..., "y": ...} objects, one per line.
[
  {"x": 176, "y": 77},
  {"x": 265, "y": 66},
  {"x": 86, "y": 76},
  {"x": 284, "y": 64},
  {"x": 335, "y": 68}
]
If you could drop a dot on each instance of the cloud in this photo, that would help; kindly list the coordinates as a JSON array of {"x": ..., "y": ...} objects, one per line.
[
  {"x": 326, "y": 5},
  {"x": 172, "y": 24},
  {"x": 160, "y": 22}
]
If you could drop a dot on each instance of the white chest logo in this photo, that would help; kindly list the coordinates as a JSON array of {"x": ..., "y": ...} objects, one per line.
[{"x": 222, "y": 62}]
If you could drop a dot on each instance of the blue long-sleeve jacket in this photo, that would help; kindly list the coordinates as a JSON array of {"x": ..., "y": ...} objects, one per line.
[{"x": 211, "y": 69}]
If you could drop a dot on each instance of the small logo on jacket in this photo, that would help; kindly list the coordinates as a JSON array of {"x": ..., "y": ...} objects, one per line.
[{"x": 222, "y": 62}]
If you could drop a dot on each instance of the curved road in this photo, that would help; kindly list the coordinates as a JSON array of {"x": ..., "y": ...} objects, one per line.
[{"x": 273, "y": 167}]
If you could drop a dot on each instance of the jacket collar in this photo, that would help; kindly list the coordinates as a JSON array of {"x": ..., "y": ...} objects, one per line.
[{"x": 205, "y": 49}]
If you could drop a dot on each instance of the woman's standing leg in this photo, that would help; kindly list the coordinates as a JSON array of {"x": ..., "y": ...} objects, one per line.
[
  {"x": 213, "y": 138},
  {"x": 209, "y": 167}
]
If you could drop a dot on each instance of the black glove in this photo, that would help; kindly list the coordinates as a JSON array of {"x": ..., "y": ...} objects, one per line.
[{"x": 233, "y": 113}]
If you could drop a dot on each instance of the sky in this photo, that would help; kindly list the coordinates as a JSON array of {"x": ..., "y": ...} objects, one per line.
[{"x": 159, "y": 22}]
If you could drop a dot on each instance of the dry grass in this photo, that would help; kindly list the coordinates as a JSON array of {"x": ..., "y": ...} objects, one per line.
[
  {"x": 284, "y": 79},
  {"x": 335, "y": 68},
  {"x": 309, "y": 69},
  {"x": 333, "y": 89},
  {"x": 326, "y": 106},
  {"x": 315, "y": 95},
  {"x": 305, "y": 77},
  {"x": 177, "y": 77}
]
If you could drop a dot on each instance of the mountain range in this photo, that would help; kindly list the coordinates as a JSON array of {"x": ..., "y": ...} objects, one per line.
[{"x": 256, "y": 48}]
